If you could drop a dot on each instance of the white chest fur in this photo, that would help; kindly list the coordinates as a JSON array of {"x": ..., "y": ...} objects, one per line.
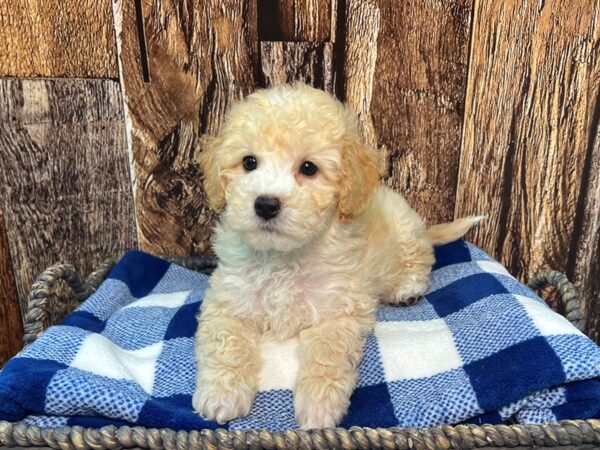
[
  {"x": 284, "y": 293},
  {"x": 282, "y": 299}
]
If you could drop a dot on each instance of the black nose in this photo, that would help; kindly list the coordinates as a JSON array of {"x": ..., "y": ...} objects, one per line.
[{"x": 267, "y": 207}]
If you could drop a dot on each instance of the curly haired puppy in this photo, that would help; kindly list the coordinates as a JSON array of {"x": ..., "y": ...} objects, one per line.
[{"x": 308, "y": 245}]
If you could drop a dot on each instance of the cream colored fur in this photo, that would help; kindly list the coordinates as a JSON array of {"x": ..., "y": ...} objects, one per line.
[{"x": 340, "y": 245}]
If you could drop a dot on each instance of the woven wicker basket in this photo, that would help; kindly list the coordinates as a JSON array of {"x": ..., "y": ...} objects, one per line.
[{"x": 60, "y": 289}]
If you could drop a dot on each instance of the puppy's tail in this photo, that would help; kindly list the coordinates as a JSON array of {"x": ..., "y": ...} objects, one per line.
[{"x": 451, "y": 231}]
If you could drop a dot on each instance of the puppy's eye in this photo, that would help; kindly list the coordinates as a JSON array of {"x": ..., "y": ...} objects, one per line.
[
  {"x": 308, "y": 168},
  {"x": 249, "y": 163}
]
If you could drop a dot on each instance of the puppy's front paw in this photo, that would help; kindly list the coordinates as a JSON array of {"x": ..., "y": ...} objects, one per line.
[
  {"x": 408, "y": 295},
  {"x": 409, "y": 301},
  {"x": 319, "y": 404},
  {"x": 220, "y": 404}
]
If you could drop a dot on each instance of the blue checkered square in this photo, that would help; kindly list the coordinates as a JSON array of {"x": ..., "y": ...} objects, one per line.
[
  {"x": 176, "y": 369},
  {"x": 184, "y": 323},
  {"x": 124, "y": 327},
  {"x": 464, "y": 292},
  {"x": 276, "y": 407},
  {"x": 422, "y": 310},
  {"x": 453, "y": 253},
  {"x": 498, "y": 320},
  {"x": 109, "y": 298},
  {"x": 368, "y": 373},
  {"x": 506, "y": 376},
  {"x": 449, "y": 274},
  {"x": 176, "y": 277},
  {"x": 442, "y": 398},
  {"x": 569, "y": 348},
  {"x": 73, "y": 392},
  {"x": 140, "y": 272},
  {"x": 371, "y": 406},
  {"x": 58, "y": 344}
]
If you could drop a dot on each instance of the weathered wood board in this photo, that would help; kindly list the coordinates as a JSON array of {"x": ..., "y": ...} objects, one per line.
[
  {"x": 295, "y": 20},
  {"x": 362, "y": 23},
  {"x": 201, "y": 57},
  {"x": 287, "y": 62},
  {"x": 584, "y": 256},
  {"x": 532, "y": 92},
  {"x": 66, "y": 188},
  {"x": 57, "y": 38},
  {"x": 415, "y": 56},
  {"x": 11, "y": 323},
  {"x": 297, "y": 42}
]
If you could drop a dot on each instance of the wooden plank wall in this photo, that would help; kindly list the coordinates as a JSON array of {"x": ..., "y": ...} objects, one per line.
[
  {"x": 529, "y": 131},
  {"x": 11, "y": 326},
  {"x": 476, "y": 106},
  {"x": 64, "y": 177},
  {"x": 415, "y": 100},
  {"x": 296, "y": 42},
  {"x": 200, "y": 60},
  {"x": 66, "y": 188},
  {"x": 57, "y": 38}
]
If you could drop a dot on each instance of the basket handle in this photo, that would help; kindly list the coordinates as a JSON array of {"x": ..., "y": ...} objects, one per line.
[
  {"x": 567, "y": 291},
  {"x": 80, "y": 289},
  {"x": 42, "y": 290}
]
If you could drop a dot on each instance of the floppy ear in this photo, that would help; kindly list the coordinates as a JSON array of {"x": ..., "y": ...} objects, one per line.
[
  {"x": 358, "y": 178},
  {"x": 214, "y": 182}
]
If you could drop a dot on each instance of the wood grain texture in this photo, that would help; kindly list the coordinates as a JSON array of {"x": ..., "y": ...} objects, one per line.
[
  {"x": 11, "y": 322},
  {"x": 294, "y": 20},
  {"x": 65, "y": 183},
  {"x": 286, "y": 62},
  {"x": 57, "y": 38},
  {"x": 533, "y": 85},
  {"x": 584, "y": 257},
  {"x": 202, "y": 56},
  {"x": 416, "y": 100},
  {"x": 362, "y": 26}
]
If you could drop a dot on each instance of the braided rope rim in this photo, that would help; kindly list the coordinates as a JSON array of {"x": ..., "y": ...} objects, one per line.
[
  {"x": 567, "y": 291},
  {"x": 565, "y": 433},
  {"x": 41, "y": 291}
]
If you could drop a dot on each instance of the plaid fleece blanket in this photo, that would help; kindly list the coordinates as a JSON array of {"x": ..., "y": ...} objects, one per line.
[{"x": 480, "y": 347}]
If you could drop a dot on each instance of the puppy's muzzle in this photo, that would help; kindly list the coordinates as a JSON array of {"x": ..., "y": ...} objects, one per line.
[{"x": 267, "y": 207}]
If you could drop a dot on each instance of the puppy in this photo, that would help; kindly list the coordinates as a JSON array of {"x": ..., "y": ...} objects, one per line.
[{"x": 308, "y": 245}]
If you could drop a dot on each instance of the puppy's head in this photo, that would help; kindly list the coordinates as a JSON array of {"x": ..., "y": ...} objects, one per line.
[{"x": 286, "y": 163}]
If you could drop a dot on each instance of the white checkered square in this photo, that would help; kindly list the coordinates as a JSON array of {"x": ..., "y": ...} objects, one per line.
[
  {"x": 171, "y": 300},
  {"x": 416, "y": 349},
  {"x": 545, "y": 320},
  {"x": 493, "y": 267},
  {"x": 101, "y": 356}
]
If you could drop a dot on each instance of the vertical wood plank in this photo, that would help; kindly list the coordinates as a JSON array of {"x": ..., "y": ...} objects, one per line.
[
  {"x": 362, "y": 27},
  {"x": 416, "y": 100},
  {"x": 533, "y": 83},
  {"x": 11, "y": 322},
  {"x": 202, "y": 56},
  {"x": 286, "y": 62},
  {"x": 307, "y": 55},
  {"x": 57, "y": 38},
  {"x": 65, "y": 183},
  {"x": 584, "y": 257},
  {"x": 294, "y": 20}
]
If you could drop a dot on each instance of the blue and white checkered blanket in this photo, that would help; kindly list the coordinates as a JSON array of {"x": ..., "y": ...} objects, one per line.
[{"x": 480, "y": 347}]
